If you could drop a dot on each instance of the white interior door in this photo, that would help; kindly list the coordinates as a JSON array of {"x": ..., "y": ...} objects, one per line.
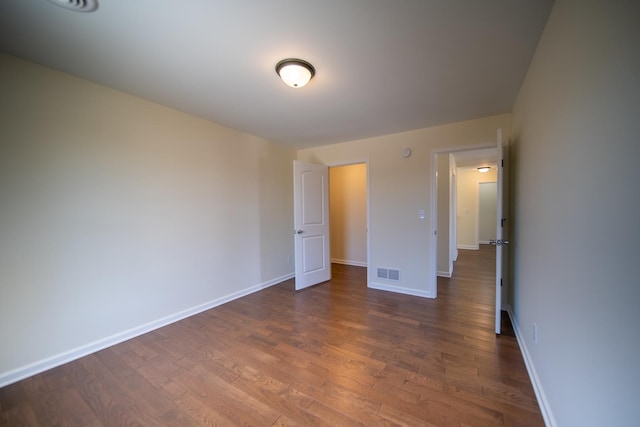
[
  {"x": 499, "y": 229},
  {"x": 311, "y": 223}
]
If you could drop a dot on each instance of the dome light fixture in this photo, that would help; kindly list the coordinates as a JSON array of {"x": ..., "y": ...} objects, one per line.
[
  {"x": 295, "y": 72},
  {"x": 484, "y": 169}
]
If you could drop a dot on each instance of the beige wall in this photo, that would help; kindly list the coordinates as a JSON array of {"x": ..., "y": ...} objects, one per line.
[
  {"x": 348, "y": 207},
  {"x": 576, "y": 202},
  {"x": 399, "y": 188},
  {"x": 118, "y": 214},
  {"x": 469, "y": 180}
]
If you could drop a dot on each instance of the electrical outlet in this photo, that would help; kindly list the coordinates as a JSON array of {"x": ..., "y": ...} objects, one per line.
[
  {"x": 535, "y": 333},
  {"x": 289, "y": 259}
]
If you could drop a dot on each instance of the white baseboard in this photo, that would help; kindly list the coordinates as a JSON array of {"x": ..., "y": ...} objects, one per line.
[
  {"x": 347, "y": 262},
  {"x": 469, "y": 247},
  {"x": 545, "y": 409},
  {"x": 399, "y": 290},
  {"x": 40, "y": 366}
]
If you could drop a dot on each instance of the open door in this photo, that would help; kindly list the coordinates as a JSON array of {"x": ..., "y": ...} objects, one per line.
[
  {"x": 311, "y": 223},
  {"x": 501, "y": 238}
]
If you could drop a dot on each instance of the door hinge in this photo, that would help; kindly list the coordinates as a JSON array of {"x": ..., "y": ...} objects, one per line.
[
  {"x": 500, "y": 282},
  {"x": 502, "y": 162}
]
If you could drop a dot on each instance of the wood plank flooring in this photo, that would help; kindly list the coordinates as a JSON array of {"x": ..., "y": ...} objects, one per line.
[{"x": 337, "y": 354}]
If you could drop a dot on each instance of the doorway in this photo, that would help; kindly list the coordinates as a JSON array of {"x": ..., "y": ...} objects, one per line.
[
  {"x": 458, "y": 202},
  {"x": 472, "y": 158},
  {"x": 456, "y": 225},
  {"x": 348, "y": 214},
  {"x": 476, "y": 217},
  {"x": 487, "y": 203},
  {"x": 325, "y": 194}
]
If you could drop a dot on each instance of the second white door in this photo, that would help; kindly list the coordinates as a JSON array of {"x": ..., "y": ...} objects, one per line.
[{"x": 311, "y": 224}]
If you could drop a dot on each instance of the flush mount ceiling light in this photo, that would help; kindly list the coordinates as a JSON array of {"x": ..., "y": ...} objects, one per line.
[
  {"x": 77, "y": 5},
  {"x": 295, "y": 72},
  {"x": 484, "y": 169}
]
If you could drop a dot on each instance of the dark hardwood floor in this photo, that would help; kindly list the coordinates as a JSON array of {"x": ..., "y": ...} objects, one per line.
[{"x": 337, "y": 354}]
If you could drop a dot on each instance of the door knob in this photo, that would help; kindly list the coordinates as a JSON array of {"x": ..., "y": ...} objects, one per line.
[
  {"x": 298, "y": 231},
  {"x": 498, "y": 242}
]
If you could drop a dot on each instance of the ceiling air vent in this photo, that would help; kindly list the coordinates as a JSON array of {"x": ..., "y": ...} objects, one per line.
[{"x": 77, "y": 5}]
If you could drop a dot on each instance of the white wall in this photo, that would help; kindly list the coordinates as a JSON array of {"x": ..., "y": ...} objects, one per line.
[
  {"x": 348, "y": 213},
  {"x": 469, "y": 180},
  {"x": 399, "y": 188},
  {"x": 118, "y": 214},
  {"x": 576, "y": 202}
]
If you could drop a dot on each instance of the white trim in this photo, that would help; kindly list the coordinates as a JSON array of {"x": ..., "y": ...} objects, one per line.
[
  {"x": 478, "y": 215},
  {"x": 453, "y": 208},
  {"x": 348, "y": 262},
  {"x": 400, "y": 290},
  {"x": 432, "y": 283},
  {"x": 369, "y": 270},
  {"x": 40, "y": 366},
  {"x": 469, "y": 247},
  {"x": 543, "y": 403}
]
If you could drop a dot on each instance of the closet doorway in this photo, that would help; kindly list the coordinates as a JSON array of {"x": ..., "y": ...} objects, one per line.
[{"x": 348, "y": 213}]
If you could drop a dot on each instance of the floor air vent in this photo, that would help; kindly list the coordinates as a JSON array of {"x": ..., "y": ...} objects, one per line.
[{"x": 388, "y": 273}]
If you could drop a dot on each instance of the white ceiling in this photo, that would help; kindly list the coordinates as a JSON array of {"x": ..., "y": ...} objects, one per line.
[{"x": 382, "y": 66}]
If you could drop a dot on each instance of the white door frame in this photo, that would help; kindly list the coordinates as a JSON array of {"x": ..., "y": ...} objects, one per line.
[
  {"x": 453, "y": 215},
  {"x": 433, "y": 279},
  {"x": 359, "y": 162}
]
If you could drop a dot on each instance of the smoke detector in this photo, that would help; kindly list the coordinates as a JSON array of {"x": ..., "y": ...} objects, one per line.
[{"x": 77, "y": 5}]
